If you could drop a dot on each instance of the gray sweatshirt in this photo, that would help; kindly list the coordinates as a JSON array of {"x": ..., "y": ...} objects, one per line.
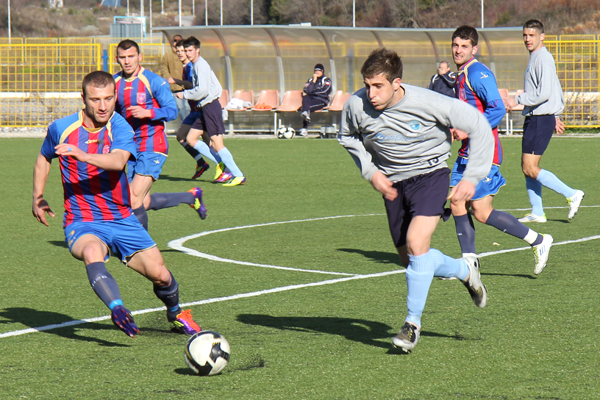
[
  {"x": 412, "y": 137},
  {"x": 543, "y": 93},
  {"x": 206, "y": 85}
]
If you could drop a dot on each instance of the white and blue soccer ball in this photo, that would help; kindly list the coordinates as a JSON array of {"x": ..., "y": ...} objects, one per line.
[
  {"x": 207, "y": 353},
  {"x": 286, "y": 132}
]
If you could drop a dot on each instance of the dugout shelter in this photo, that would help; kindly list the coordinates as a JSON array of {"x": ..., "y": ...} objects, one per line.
[{"x": 281, "y": 59}]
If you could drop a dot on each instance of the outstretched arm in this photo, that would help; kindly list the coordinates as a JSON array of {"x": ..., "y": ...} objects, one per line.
[{"x": 40, "y": 206}]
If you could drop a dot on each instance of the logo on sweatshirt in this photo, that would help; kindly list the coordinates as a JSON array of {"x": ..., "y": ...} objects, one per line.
[{"x": 415, "y": 125}]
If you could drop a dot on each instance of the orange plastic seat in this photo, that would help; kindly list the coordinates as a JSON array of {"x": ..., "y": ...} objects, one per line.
[
  {"x": 247, "y": 96},
  {"x": 292, "y": 101},
  {"x": 267, "y": 100}
]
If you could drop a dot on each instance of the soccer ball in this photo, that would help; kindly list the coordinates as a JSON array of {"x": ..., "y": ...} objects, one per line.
[
  {"x": 207, "y": 353},
  {"x": 286, "y": 132}
]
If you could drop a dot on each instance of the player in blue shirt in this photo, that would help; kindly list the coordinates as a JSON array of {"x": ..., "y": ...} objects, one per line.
[
  {"x": 145, "y": 100},
  {"x": 93, "y": 147},
  {"x": 476, "y": 85}
]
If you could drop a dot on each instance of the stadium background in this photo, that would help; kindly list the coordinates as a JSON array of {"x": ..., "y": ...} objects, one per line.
[{"x": 40, "y": 78}]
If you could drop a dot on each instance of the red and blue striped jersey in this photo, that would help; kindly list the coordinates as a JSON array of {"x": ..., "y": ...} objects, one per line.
[
  {"x": 151, "y": 92},
  {"x": 91, "y": 194},
  {"x": 476, "y": 85}
]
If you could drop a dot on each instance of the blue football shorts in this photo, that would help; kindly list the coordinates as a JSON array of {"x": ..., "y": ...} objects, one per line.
[
  {"x": 124, "y": 237},
  {"x": 147, "y": 163},
  {"x": 488, "y": 186}
]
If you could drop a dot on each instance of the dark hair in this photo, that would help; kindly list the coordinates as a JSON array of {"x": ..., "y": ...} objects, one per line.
[
  {"x": 191, "y": 41},
  {"x": 127, "y": 44},
  {"x": 466, "y": 32},
  {"x": 534, "y": 24},
  {"x": 179, "y": 43},
  {"x": 99, "y": 79},
  {"x": 382, "y": 61}
]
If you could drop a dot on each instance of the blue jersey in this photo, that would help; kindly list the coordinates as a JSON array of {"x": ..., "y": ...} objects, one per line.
[
  {"x": 147, "y": 90},
  {"x": 91, "y": 193},
  {"x": 476, "y": 85}
]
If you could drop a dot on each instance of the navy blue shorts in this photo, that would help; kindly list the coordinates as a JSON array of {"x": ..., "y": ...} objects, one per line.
[
  {"x": 211, "y": 119},
  {"x": 191, "y": 118},
  {"x": 537, "y": 132},
  {"x": 420, "y": 195}
]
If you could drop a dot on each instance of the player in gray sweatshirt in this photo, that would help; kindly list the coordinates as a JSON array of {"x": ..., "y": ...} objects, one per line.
[
  {"x": 399, "y": 137},
  {"x": 543, "y": 101}
]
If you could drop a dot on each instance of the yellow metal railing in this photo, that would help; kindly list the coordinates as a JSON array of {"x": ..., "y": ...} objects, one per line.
[
  {"x": 41, "y": 82},
  {"x": 40, "y": 78}
]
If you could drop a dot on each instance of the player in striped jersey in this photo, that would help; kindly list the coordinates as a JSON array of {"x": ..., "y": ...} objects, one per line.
[
  {"x": 476, "y": 85},
  {"x": 93, "y": 147},
  {"x": 144, "y": 99}
]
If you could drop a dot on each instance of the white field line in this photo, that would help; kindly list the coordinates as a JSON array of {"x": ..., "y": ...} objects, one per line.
[{"x": 179, "y": 242}]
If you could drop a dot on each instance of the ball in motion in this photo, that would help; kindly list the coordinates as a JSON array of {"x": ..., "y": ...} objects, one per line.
[{"x": 207, "y": 353}]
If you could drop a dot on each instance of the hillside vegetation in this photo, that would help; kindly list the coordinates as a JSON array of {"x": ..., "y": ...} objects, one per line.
[{"x": 86, "y": 18}]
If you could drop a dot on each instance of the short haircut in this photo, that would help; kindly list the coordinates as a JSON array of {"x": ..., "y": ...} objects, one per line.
[
  {"x": 176, "y": 38},
  {"x": 466, "y": 32},
  {"x": 127, "y": 44},
  {"x": 99, "y": 79},
  {"x": 534, "y": 24},
  {"x": 191, "y": 42},
  {"x": 445, "y": 62},
  {"x": 179, "y": 43},
  {"x": 382, "y": 61}
]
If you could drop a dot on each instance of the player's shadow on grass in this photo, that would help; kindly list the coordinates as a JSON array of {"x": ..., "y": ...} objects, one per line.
[
  {"x": 371, "y": 333},
  {"x": 179, "y": 179},
  {"x": 59, "y": 243},
  {"x": 47, "y": 319},
  {"x": 376, "y": 256},
  {"x": 533, "y": 277}
]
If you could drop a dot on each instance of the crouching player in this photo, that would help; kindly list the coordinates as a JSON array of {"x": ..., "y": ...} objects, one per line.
[{"x": 93, "y": 147}]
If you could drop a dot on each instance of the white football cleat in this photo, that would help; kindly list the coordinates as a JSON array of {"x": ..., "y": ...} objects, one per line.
[
  {"x": 541, "y": 253},
  {"x": 574, "y": 202},
  {"x": 533, "y": 218}
]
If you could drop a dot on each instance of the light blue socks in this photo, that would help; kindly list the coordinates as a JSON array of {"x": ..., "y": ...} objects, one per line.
[
  {"x": 229, "y": 163},
  {"x": 420, "y": 273},
  {"x": 550, "y": 180},
  {"x": 203, "y": 149}
]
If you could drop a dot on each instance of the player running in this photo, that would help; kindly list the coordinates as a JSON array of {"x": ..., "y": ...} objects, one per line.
[
  {"x": 206, "y": 92},
  {"x": 144, "y": 99},
  {"x": 93, "y": 147},
  {"x": 399, "y": 138},
  {"x": 476, "y": 85}
]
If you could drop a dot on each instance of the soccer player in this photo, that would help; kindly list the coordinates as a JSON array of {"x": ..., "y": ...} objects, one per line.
[
  {"x": 93, "y": 147},
  {"x": 186, "y": 82},
  {"x": 544, "y": 101},
  {"x": 476, "y": 85},
  {"x": 145, "y": 101},
  {"x": 399, "y": 138},
  {"x": 170, "y": 66},
  {"x": 206, "y": 93}
]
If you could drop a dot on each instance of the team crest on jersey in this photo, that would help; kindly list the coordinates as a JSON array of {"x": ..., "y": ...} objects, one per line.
[
  {"x": 462, "y": 94},
  {"x": 106, "y": 149},
  {"x": 141, "y": 98},
  {"x": 415, "y": 125}
]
